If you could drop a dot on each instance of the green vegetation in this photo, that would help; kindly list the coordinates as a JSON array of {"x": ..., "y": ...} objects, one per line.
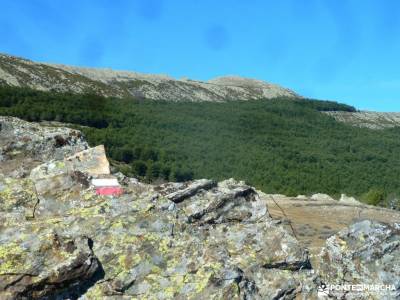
[
  {"x": 326, "y": 105},
  {"x": 374, "y": 197},
  {"x": 279, "y": 146}
]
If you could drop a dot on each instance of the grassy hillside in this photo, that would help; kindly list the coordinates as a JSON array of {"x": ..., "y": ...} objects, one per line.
[{"x": 279, "y": 146}]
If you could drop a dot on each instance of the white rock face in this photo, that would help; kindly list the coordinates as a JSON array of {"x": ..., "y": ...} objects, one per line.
[
  {"x": 322, "y": 197},
  {"x": 369, "y": 119},
  {"x": 107, "y": 82},
  {"x": 8, "y": 78},
  {"x": 348, "y": 200}
]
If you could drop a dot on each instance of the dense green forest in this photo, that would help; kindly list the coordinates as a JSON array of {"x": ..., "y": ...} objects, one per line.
[{"x": 279, "y": 146}]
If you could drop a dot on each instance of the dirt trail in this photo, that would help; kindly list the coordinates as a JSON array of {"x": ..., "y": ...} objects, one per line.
[{"x": 313, "y": 221}]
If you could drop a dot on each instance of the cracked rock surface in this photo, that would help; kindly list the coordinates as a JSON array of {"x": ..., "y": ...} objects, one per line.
[{"x": 365, "y": 253}]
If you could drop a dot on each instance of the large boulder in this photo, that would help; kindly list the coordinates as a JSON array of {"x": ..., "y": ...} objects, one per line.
[{"x": 366, "y": 253}]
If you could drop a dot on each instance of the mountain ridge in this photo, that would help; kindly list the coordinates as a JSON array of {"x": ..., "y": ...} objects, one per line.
[
  {"x": 21, "y": 72},
  {"x": 15, "y": 71}
]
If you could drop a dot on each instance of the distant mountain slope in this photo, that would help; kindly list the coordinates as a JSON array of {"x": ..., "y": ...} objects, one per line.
[
  {"x": 20, "y": 72},
  {"x": 369, "y": 119}
]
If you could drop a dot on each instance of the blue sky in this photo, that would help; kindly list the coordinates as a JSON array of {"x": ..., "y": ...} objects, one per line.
[{"x": 327, "y": 49}]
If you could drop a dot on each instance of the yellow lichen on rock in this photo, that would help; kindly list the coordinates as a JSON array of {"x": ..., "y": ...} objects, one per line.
[{"x": 12, "y": 258}]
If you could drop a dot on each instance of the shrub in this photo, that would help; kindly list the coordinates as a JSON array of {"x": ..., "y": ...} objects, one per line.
[{"x": 374, "y": 197}]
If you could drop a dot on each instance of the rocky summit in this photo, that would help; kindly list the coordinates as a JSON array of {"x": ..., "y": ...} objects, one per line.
[
  {"x": 19, "y": 72},
  {"x": 203, "y": 239}
]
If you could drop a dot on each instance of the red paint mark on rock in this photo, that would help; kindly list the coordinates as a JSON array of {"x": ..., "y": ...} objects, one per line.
[{"x": 109, "y": 191}]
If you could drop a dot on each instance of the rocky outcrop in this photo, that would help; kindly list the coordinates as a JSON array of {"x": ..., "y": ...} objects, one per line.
[
  {"x": 217, "y": 241},
  {"x": 193, "y": 240},
  {"x": 367, "y": 253},
  {"x": 16, "y": 71},
  {"x": 154, "y": 247},
  {"x": 24, "y": 145},
  {"x": 368, "y": 119}
]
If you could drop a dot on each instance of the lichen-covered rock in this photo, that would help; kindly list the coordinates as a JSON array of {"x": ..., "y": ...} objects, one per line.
[
  {"x": 227, "y": 201},
  {"x": 52, "y": 178},
  {"x": 148, "y": 247},
  {"x": 366, "y": 253},
  {"x": 17, "y": 196},
  {"x": 281, "y": 284},
  {"x": 43, "y": 265},
  {"x": 24, "y": 145}
]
